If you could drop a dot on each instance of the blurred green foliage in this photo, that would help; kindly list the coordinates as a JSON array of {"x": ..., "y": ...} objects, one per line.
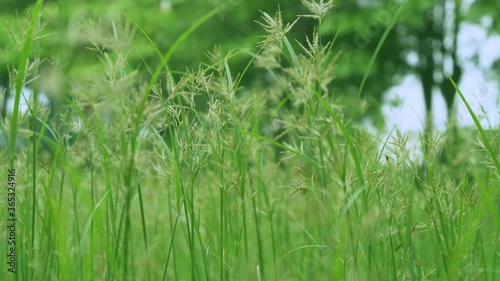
[{"x": 76, "y": 36}]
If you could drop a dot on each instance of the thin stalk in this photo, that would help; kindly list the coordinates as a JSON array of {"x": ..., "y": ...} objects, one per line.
[{"x": 143, "y": 219}]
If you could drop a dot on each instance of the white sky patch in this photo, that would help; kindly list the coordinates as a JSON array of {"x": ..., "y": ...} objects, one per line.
[
  {"x": 482, "y": 94},
  {"x": 165, "y": 5},
  {"x": 489, "y": 51},
  {"x": 26, "y": 99}
]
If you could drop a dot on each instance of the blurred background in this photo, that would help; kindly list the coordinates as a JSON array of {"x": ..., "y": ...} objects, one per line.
[{"x": 430, "y": 41}]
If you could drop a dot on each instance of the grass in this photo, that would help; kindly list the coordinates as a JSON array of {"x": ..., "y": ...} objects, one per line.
[{"x": 259, "y": 184}]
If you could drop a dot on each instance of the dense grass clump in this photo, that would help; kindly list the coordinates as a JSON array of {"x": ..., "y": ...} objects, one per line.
[{"x": 197, "y": 176}]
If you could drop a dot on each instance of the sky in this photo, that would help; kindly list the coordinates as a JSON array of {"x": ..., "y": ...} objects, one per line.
[
  {"x": 477, "y": 85},
  {"x": 480, "y": 93}
]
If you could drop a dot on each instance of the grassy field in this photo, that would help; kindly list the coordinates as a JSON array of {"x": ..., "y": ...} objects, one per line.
[{"x": 256, "y": 184}]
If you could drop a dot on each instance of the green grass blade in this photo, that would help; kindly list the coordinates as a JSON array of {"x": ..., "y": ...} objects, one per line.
[
  {"x": 156, "y": 75},
  {"x": 155, "y": 47},
  {"x": 486, "y": 141},
  {"x": 379, "y": 46},
  {"x": 292, "y": 53},
  {"x": 88, "y": 223},
  {"x": 143, "y": 217},
  {"x": 347, "y": 137},
  {"x": 21, "y": 69},
  {"x": 284, "y": 147}
]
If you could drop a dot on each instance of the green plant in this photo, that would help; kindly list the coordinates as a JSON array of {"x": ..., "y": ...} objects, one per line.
[{"x": 272, "y": 183}]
